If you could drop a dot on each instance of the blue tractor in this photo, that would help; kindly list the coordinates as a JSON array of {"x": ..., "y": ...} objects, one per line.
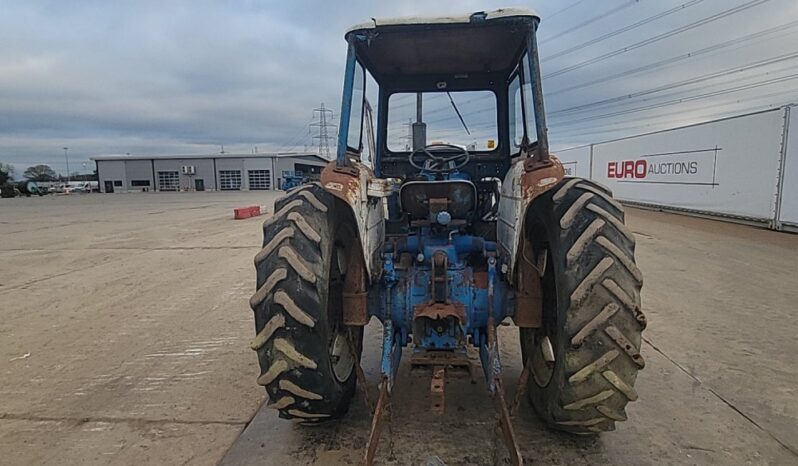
[
  {"x": 453, "y": 218},
  {"x": 292, "y": 179}
]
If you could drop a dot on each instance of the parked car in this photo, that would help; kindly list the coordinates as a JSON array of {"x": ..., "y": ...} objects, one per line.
[{"x": 80, "y": 187}]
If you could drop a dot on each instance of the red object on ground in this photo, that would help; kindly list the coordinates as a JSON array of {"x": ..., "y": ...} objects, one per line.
[{"x": 246, "y": 212}]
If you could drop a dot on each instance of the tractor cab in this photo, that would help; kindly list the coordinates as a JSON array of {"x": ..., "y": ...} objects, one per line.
[
  {"x": 458, "y": 101},
  {"x": 459, "y": 113}
]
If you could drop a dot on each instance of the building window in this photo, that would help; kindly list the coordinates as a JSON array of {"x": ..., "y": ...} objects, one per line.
[
  {"x": 260, "y": 179},
  {"x": 229, "y": 180},
  {"x": 118, "y": 183},
  {"x": 139, "y": 183},
  {"x": 169, "y": 181},
  {"x": 311, "y": 172}
]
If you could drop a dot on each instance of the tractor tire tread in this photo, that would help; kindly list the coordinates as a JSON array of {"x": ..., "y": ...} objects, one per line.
[
  {"x": 288, "y": 304},
  {"x": 600, "y": 290}
]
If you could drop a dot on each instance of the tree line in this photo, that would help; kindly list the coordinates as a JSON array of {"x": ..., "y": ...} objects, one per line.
[{"x": 41, "y": 173}]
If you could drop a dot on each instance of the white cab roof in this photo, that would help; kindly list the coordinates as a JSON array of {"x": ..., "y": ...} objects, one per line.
[{"x": 464, "y": 19}]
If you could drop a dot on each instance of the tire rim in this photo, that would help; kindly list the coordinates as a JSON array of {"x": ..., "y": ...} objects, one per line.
[
  {"x": 341, "y": 358},
  {"x": 542, "y": 371}
]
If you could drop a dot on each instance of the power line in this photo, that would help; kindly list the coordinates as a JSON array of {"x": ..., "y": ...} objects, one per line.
[
  {"x": 686, "y": 82},
  {"x": 608, "y": 101},
  {"x": 672, "y": 60},
  {"x": 657, "y": 38},
  {"x": 563, "y": 10},
  {"x": 612, "y": 127},
  {"x": 590, "y": 21},
  {"x": 678, "y": 58},
  {"x": 302, "y": 140},
  {"x": 676, "y": 101},
  {"x": 292, "y": 140},
  {"x": 413, "y": 102},
  {"x": 621, "y": 30},
  {"x": 685, "y": 99},
  {"x": 666, "y": 117}
]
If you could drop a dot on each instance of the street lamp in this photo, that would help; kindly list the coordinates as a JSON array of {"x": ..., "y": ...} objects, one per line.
[{"x": 66, "y": 156}]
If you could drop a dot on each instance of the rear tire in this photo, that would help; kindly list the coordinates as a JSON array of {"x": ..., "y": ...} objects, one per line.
[
  {"x": 307, "y": 365},
  {"x": 591, "y": 309}
]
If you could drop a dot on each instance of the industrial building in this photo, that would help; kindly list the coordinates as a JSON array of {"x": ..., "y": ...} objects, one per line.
[{"x": 213, "y": 172}]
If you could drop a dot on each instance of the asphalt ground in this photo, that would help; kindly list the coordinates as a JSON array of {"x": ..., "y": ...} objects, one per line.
[{"x": 124, "y": 331}]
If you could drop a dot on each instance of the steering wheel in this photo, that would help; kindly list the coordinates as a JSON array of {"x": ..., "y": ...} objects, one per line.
[{"x": 440, "y": 163}]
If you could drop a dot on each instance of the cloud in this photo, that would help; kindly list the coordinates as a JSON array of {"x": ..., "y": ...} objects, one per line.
[{"x": 187, "y": 76}]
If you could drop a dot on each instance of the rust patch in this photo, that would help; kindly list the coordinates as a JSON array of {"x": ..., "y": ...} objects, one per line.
[
  {"x": 356, "y": 308},
  {"x": 529, "y": 298},
  {"x": 436, "y": 389},
  {"x": 355, "y": 294},
  {"x": 342, "y": 182},
  {"x": 438, "y": 311},
  {"x": 481, "y": 280},
  {"x": 446, "y": 359},
  {"x": 539, "y": 177}
]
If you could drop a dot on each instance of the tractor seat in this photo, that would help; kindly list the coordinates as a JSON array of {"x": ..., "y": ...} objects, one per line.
[{"x": 459, "y": 197}]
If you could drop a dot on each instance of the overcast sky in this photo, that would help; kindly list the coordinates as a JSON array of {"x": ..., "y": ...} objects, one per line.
[{"x": 171, "y": 77}]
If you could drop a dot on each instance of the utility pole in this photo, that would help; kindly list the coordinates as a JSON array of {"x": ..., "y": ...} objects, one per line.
[
  {"x": 409, "y": 137},
  {"x": 419, "y": 127},
  {"x": 66, "y": 156},
  {"x": 323, "y": 135}
]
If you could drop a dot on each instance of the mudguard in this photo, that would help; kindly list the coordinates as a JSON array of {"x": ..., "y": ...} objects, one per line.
[
  {"x": 525, "y": 181},
  {"x": 356, "y": 186}
]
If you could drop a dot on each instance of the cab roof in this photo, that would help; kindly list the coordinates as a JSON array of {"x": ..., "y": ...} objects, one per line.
[{"x": 484, "y": 41}]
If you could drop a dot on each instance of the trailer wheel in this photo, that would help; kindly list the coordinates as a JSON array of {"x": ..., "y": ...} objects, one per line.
[
  {"x": 307, "y": 364},
  {"x": 592, "y": 321}
]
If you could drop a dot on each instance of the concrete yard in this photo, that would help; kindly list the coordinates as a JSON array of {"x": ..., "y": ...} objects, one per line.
[{"x": 124, "y": 331}]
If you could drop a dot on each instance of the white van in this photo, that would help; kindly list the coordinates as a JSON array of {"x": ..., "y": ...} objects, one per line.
[{"x": 81, "y": 187}]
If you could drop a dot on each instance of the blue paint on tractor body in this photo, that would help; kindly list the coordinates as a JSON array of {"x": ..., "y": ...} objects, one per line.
[{"x": 410, "y": 306}]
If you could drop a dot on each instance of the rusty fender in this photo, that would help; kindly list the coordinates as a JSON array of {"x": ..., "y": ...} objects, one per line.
[
  {"x": 357, "y": 187},
  {"x": 524, "y": 182}
]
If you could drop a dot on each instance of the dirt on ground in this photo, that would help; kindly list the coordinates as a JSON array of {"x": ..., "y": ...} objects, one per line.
[{"x": 124, "y": 331}]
